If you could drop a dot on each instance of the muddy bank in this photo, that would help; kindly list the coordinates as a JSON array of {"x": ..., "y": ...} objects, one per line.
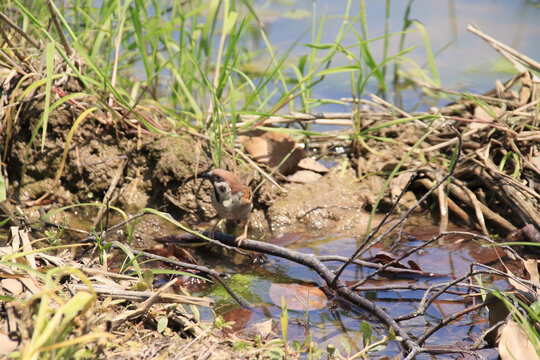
[{"x": 158, "y": 171}]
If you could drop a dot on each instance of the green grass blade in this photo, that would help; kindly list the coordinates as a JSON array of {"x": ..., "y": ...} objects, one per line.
[
  {"x": 429, "y": 53},
  {"x": 49, "y": 58}
]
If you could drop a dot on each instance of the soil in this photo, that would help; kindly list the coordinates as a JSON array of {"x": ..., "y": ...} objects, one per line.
[{"x": 161, "y": 173}]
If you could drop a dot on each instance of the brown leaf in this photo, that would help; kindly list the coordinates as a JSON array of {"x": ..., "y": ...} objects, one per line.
[
  {"x": 531, "y": 233},
  {"x": 398, "y": 183},
  {"x": 31, "y": 285},
  {"x": 172, "y": 251},
  {"x": 270, "y": 148},
  {"x": 262, "y": 329},
  {"x": 514, "y": 343},
  {"x": 240, "y": 316},
  {"x": 519, "y": 286},
  {"x": 532, "y": 269},
  {"x": 288, "y": 238},
  {"x": 382, "y": 258},
  {"x": 525, "y": 91},
  {"x": 308, "y": 163},
  {"x": 14, "y": 286},
  {"x": 7, "y": 346},
  {"x": 497, "y": 313},
  {"x": 413, "y": 265},
  {"x": 298, "y": 297},
  {"x": 484, "y": 117},
  {"x": 536, "y": 160},
  {"x": 305, "y": 177}
]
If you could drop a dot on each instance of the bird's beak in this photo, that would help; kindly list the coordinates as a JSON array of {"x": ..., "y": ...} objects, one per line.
[{"x": 206, "y": 175}]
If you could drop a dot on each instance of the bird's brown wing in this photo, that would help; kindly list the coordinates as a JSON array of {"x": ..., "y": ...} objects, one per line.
[{"x": 247, "y": 195}]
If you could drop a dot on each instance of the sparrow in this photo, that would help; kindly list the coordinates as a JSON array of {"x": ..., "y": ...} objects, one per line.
[{"x": 231, "y": 199}]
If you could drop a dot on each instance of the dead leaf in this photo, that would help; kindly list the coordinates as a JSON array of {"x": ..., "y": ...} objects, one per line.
[
  {"x": 514, "y": 343},
  {"x": 398, "y": 183},
  {"x": 532, "y": 269},
  {"x": 414, "y": 265},
  {"x": 289, "y": 238},
  {"x": 7, "y": 346},
  {"x": 514, "y": 283},
  {"x": 240, "y": 317},
  {"x": 484, "y": 117},
  {"x": 531, "y": 233},
  {"x": 308, "y": 163},
  {"x": 382, "y": 258},
  {"x": 497, "y": 313},
  {"x": 305, "y": 177},
  {"x": 298, "y": 297},
  {"x": 31, "y": 285},
  {"x": 262, "y": 329},
  {"x": 526, "y": 88},
  {"x": 172, "y": 251},
  {"x": 535, "y": 160},
  {"x": 270, "y": 148},
  {"x": 14, "y": 286}
]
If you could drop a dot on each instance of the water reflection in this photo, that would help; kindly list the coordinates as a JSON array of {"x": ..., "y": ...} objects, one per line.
[
  {"x": 463, "y": 60},
  {"x": 339, "y": 322}
]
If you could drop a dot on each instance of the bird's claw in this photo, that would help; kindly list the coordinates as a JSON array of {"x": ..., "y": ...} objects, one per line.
[{"x": 240, "y": 239}]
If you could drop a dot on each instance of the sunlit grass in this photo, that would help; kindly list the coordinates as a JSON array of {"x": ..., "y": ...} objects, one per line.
[{"x": 192, "y": 61}]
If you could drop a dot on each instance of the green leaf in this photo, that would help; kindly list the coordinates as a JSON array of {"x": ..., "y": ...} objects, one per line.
[
  {"x": 130, "y": 254},
  {"x": 320, "y": 46},
  {"x": 535, "y": 307},
  {"x": 49, "y": 59},
  {"x": 346, "y": 345},
  {"x": 429, "y": 53},
  {"x": 148, "y": 277},
  {"x": 230, "y": 21},
  {"x": 162, "y": 324},
  {"x": 284, "y": 319},
  {"x": 296, "y": 14},
  {"x": 391, "y": 334},
  {"x": 339, "y": 69},
  {"x": 302, "y": 63},
  {"x": 2, "y": 188},
  {"x": 275, "y": 353},
  {"x": 331, "y": 350},
  {"x": 78, "y": 303},
  {"x": 367, "y": 331}
]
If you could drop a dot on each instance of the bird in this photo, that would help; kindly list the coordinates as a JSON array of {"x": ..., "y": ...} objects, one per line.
[{"x": 231, "y": 198}]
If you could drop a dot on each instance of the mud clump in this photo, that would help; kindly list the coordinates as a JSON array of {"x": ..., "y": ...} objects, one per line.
[
  {"x": 334, "y": 205},
  {"x": 175, "y": 162}
]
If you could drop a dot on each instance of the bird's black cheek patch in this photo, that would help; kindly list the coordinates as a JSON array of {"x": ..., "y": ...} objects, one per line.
[
  {"x": 221, "y": 189},
  {"x": 216, "y": 194}
]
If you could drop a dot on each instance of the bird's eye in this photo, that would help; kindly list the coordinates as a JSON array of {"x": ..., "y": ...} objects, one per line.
[{"x": 221, "y": 188}]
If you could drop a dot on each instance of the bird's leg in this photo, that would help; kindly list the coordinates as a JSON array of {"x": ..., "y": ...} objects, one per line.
[
  {"x": 242, "y": 237},
  {"x": 214, "y": 228}
]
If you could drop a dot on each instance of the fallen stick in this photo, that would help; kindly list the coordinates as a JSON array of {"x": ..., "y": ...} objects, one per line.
[{"x": 120, "y": 293}]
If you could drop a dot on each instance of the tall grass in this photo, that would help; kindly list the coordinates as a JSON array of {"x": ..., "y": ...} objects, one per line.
[{"x": 191, "y": 60}]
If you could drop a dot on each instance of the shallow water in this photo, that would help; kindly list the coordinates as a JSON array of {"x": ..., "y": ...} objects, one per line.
[
  {"x": 463, "y": 60},
  {"x": 338, "y": 321}
]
